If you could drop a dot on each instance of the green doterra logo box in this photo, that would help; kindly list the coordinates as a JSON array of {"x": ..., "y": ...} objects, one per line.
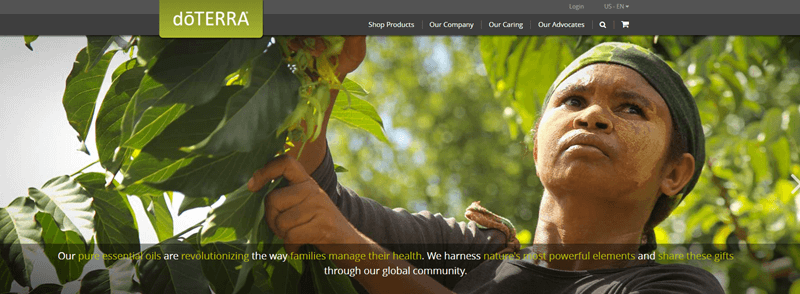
[{"x": 211, "y": 19}]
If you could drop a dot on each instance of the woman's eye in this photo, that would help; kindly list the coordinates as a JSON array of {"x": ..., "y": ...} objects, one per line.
[
  {"x": 573, "y": 101},
  {"x": 633, "y": 109}
]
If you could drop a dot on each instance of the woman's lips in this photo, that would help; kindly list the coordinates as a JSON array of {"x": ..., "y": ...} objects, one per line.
[{"x": 583, "y": 140}]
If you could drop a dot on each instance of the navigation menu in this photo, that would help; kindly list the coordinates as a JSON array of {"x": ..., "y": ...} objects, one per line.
[{"x": 427, "y": 24}]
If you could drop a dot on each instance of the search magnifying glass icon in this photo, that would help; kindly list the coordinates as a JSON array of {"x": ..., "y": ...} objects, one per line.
[{"x": 602, "y": 24}]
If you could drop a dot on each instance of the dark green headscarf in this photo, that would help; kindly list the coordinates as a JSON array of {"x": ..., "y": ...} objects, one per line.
[{"x": 667, "y": 82}]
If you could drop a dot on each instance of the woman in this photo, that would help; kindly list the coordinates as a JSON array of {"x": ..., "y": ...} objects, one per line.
[{"x": 618, "y": 145}]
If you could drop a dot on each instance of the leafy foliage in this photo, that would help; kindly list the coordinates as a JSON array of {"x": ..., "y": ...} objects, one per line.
[
  {"x": 83, "y": 86},
  {"x": 191, "y": 116},
  {"x": 19, "y": 228}
]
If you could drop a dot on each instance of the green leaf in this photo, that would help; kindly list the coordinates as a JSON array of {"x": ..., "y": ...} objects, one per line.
[
  {"x": 5, "y": 276},
  {"x": 57, "y": 241},
  {"x": 253, "y": 115},
  {"x": 191, "y": 128},
  {"x": 261, "y": 281},
  {"x": 162, "y": 157},
  {"x": 284, "y": 277},
  {"x": 359, "y": 114},
  {"x": 142, "y": 123},
  {"x": 20, "y": 235},
  {"x": 339, "y": 169},
  {"x": 96, "y": 47},
  {"x": 186, "y": 72},
  {"x": 214, "y": 176},
  {"x": 68, "y": 203},
  {"x": 181, "y": 275},
  {"x": 81, "y": 92},
  {"x": 160, "y": 218},
  {"x": 336, "y": 284},
  {"x": 193, "y": 70},
  {"x": 108, "y": 127},
  {"x": 191, "y": 203},
  {"x": 149, "y": 46},
  {"x": 245, "y": 273},
  {"x": 47, "y": 289},
  {"x": 353, "y": 88},
  {"x": 118, "y": 278},
  {"x": 29, "y": 39},
  {"x": 234, "y": 218},
  {"x": 257, "y": 240},
  {"x": 222, "y": 273},
  {"x": 117, "y": 230}
]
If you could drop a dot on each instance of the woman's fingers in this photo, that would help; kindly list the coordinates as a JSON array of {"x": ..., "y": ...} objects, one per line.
[
  {"x": 287, "y": 197},
  {"x": 283, "y": 165},
  {"x": 305, "y": 233},
  {"x": 300, "y": 213},
  {"x": 289, "y": 202}
]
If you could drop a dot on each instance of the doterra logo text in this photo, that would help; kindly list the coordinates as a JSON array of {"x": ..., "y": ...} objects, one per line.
[{"x": 212, "y": 18}]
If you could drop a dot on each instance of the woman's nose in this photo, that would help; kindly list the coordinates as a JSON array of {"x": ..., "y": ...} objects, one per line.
[{"x": 593, "y": 118}]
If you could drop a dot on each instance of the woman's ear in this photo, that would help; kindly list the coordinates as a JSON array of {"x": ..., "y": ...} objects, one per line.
[{"x": 678, "y": 175}]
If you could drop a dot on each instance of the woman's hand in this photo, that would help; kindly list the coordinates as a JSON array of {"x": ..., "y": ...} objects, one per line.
[{"x": 301, "y": 213}]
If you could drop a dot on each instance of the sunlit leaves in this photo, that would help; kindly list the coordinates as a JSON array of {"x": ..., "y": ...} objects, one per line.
[
  {"x": 253, "y": 115},
  {"x": 108, "y": 127},
  {"x": 214, "y": 176},
  {"x": 355, "y": 112},
  {"x": 162, "y": 157},
  {"x": 160, "y": 217},
  {"x": 185, "y": 72},
  {"x": 58, "y": 242},
  {"x": 233, "y": 219},
  {"x": 149, "y": 46},
  {"x": 191, "y": 203},
  {"x": 117, "y": 230},
  {"x": 68, "y": 203},
  {"x": 96, "y": 47},
  {"x": 21, "y": 236},
  {"x": 82, "y": 90}
]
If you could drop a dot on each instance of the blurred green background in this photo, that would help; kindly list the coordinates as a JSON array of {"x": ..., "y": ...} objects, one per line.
[{"x": 458, "y": 113}]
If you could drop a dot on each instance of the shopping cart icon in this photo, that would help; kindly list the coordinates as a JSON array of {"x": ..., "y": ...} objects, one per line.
[{"x": 625, "y": 24}]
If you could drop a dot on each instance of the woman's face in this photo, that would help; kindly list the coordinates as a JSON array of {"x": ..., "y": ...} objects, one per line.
[{"x": 604, "y": 131}]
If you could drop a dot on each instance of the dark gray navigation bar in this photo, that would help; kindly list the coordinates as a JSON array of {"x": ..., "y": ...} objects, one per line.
[
  {"x": 417, "y": 24},
  {"x": 427, "y": 7}
]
